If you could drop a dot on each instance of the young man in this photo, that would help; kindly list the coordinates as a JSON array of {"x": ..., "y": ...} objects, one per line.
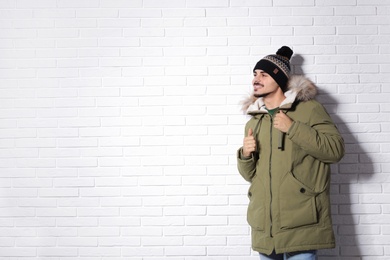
[{"x": 286, "y": 155}]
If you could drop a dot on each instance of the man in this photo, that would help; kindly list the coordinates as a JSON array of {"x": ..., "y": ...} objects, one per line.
[{"x": 286, "y": 155}]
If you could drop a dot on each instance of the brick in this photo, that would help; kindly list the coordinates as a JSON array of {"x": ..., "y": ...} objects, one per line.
[
  {"x": 51, "y": 12},
  {"x": 212, "y": 3},
  {"x": 234, "y": 231},
  {"x": 58, "y": 192},
  {"x": 77, "y": 242},
  {"x": 98, "y": 212},
  {"x": 119, "y": 242},
  {"x": 315, "y": 30},
  {"x": 162, "y": 23},
  {"x": 37, "y": 23},
  {"x": 121, "y": 3},
  {"x": 21, "y": 133},
  {"x": 183, "y": 12},
  {"x": 144, "y": 32},
  {"x": 35, "y": 242},
  {"x": 18, "y": 252},
  {"x": 164, "y": 4},
  {"x": 239, "y": 23},
  {"x": 228, "y": 251},
  {"x": 75, "y": 23},
  {"x": 201, "y": 241},
  {"x": 362, "y": 250},
  {"x": 21, "y": 183},
  {"x": 336, "y": 3},
  {"x": 227, "y": 12},
  {"x": 78, "y": 4},
  {"x": 76, "y": 222},
  {"x": 185, "y": 211},
  {"x": 73, "y": 183},
  {"x": 298, "y": 3},
  {"x": 270, "y": 11},
  {"x": 162, "y": 241},
  {"x": 361, "y": 30},
  {"x": 207, "y": 221},
  {"x": 360, "y": 209},
  {"x": 120, "y": 221},
  {"x": 192, "y": 251},
  {"x": 17, "y": 34},
  {"x": 274, "y": 30},
  {"x": 22, "y": 73},
  {"x": 57, "y": 252},
  {"x": 196, "y": 22},
  {"x": 97, "y": 13},
  {"x": 139, "y": 251},
  {"x": 200, "y": 151},
  {"x": 57, "y": 232},
  {"x": 164, "y": 221},
  {"x": 293, "y": 21},
  {"x": 140, "y": 13},
  {"x": 141, "y": 212},
  {"x": 8, "y": 4},
  {"x": 116, "y": 23},
  {"x": 356, "y": 10},
  {"x": 373, "y": 40}
]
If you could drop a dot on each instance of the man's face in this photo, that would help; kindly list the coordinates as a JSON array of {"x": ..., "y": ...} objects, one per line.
[{"x": 263, "y": 84}]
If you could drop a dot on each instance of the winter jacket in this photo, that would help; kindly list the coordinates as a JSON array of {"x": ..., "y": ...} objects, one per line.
[{"x": 289, "y": 208}]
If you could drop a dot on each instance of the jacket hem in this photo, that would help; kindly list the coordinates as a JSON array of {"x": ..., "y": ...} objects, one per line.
[{"x": 294, "y": 249}]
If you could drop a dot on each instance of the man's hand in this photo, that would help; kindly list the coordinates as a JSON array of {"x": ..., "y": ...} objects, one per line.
[
  {"x": 282, "y": 122},
  {"x": 249, "y": 144}
]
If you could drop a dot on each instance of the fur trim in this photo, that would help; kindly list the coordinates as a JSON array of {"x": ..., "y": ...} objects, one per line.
[
  {"x": 302, "y": 87},
  {"x": 305, "y": 88},
  {"x": 247, "y": 102}
]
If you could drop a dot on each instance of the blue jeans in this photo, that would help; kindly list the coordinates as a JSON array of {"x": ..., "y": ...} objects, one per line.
[{"x": 300, "y": 255}]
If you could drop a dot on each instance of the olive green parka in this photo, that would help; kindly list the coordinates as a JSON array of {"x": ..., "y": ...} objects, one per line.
[{"x": 289, "y": 207}]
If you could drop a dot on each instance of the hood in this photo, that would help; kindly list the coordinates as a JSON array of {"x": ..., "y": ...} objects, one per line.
[{"x": 299, "y": 88}]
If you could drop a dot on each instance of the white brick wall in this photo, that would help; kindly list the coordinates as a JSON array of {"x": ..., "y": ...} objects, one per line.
[{"x": 119, "y": 123}]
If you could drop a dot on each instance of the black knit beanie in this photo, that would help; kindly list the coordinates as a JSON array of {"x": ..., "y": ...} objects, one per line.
[{"x": 277, "y": 66}]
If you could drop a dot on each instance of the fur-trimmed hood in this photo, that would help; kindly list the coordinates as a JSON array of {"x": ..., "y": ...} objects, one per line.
[{"x": 299, "y": 88}]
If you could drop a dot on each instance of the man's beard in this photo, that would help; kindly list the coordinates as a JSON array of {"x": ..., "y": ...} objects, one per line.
[{"x": 260, "y": 95}]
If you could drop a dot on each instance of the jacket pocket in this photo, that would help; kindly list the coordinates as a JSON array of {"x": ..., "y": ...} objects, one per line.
[
  {"x": 297, "y": 204},
  {"x": 256, "y": 207}
]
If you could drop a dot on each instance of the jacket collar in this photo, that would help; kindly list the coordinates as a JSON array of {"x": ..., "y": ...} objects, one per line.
[{"x": 299, "y": 88}]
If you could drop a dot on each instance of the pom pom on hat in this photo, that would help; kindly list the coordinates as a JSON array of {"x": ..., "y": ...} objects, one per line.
[
  {"x": 277, "y": 66},
  {"x": 285, "y": 52}
]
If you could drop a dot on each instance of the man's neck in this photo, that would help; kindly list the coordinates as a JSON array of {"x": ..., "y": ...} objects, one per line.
[{"x": 274, "y": 100}]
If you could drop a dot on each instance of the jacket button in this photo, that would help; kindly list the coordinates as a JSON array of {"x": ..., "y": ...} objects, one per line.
[
  {"x": 250, "y": 194},
  {"x": 302, "y": 190}
]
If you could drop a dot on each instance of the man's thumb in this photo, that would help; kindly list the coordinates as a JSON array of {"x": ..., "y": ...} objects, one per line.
[{"x": 250, "y": 132}]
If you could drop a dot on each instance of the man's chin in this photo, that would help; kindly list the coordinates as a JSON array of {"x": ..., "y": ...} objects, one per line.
[{"x": 260, "y": 95}]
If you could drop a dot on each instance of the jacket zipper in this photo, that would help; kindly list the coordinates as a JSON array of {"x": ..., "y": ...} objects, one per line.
[{"x": 270, "y": 176}]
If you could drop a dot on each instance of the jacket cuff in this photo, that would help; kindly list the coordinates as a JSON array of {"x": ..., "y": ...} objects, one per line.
[
  {"x": 241, "y": 157},
  {"x": 293, "y": 129}
]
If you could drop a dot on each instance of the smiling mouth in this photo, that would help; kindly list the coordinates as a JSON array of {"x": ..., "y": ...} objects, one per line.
[{"x": 257, "y": 86}]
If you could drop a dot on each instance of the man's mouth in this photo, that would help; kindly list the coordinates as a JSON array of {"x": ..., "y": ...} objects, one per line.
[{"x": 257, "y": 86}]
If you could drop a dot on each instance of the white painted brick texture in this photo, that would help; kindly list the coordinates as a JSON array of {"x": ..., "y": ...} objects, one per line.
[{"x": 119, "y": 123}]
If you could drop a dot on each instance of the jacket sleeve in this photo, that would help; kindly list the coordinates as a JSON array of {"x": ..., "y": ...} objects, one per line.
[
  {"x": 319, "y": 137},
  {"x": 246, "y": 166}
]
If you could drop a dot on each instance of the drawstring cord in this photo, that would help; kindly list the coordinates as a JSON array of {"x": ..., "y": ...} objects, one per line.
[
  {"x": 281, "y": 136},
  {"x": 255, "y": 132},
  {"x": 281, "y": 141}
]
